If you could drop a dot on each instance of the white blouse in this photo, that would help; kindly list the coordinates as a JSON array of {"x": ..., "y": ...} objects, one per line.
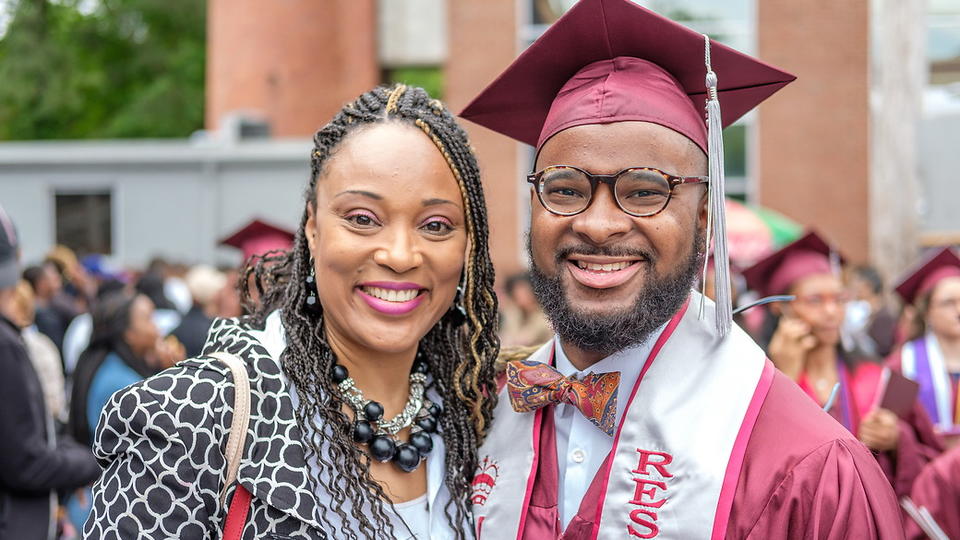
[{"x": 414, "y": 515}]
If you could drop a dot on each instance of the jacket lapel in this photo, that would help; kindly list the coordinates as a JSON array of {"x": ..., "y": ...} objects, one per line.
[{"x": 273, "y": 467}]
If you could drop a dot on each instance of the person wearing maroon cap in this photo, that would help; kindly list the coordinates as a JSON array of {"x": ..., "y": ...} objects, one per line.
[
  {"x": 255, "y": 239},
  {"x": 931, "y": 356},
  {"x": 258, "y": 238},
  {"x": 649, "y": 415},
  {"x": 805, "y": 346}
]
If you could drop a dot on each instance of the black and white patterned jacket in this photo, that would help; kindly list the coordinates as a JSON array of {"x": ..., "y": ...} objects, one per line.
[{"x": 161, "y": 443}]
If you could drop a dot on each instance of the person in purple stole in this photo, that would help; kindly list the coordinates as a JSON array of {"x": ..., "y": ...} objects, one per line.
[
  {"x": 931, "y": 356},
  {"x": 805, "y": 346},
  {"x": 649, "y": 415}
]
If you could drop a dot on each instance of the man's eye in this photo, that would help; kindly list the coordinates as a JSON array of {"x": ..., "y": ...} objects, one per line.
[{"x": 565, "y": 192}]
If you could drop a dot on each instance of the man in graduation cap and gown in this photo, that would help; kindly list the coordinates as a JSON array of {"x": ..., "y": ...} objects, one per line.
[
  {"x": 806, "y": 346},
  {"x": 932, "y": 355},
  {"x": 649, "y": 415}
]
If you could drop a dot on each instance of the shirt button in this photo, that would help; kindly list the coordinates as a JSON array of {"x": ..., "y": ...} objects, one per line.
[{"x": 578, "y": 456}]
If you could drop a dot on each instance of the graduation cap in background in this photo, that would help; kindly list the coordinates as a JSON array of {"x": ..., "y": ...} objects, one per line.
[
  {"x": 924, "y": 277},
  {"x": 808, "y": 255},
  {"x": 608, "y": 61},
  {"x": 259, "y": 237}
]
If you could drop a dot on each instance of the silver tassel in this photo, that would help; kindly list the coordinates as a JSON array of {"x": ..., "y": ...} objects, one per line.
[{"x": 716, "y": 212}]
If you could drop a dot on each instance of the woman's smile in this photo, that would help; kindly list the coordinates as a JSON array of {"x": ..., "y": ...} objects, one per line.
[{"x": 392, "y": 297}]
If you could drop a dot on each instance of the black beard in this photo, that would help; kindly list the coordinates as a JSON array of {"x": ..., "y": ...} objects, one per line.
[{"x": 607, "y": 333}]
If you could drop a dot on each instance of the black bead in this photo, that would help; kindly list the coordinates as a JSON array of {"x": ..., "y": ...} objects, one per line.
[
  {"x": 382, "y": 448},
  {"x": 339, "y": 373},
  {"x": 422, "y": 442},
  {"x": 407, "y": 458},
  {"x": 456, "y": 315},
  {"x": 427, "y": 423},
  {"x": 420, "y": 366},
  {"x": 434, "y": 409},
  {"x": 373, "y": 411},
  {"x": 362, "y": 431}
]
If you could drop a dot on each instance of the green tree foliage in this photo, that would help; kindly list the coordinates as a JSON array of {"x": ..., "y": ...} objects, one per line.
[{"x": 102, "y": 69}]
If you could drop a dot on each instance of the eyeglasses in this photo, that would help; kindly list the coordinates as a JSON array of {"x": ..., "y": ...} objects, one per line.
[
  {"x": 820, "y": 300},
  {"x": 639, "y": 191}
]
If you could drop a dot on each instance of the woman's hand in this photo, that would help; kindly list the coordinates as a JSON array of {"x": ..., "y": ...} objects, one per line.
[
  {"x": 789, "y": 346},
  {"x": 168, "y": 352},
  {"x": 879, "y": 430}
]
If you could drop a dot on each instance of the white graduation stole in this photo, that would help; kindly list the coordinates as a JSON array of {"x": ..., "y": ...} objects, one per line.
[{"x": 678, "y": 448}]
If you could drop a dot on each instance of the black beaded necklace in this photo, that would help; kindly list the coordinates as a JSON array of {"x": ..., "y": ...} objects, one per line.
[{"x": 369, "y": 428}]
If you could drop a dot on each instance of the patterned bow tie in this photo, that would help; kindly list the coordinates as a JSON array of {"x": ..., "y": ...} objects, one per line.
[{"x": 533, "y": 385}]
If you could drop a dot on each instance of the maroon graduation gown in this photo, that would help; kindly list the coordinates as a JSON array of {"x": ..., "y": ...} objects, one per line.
[
  {"x": 918, "y": 443},
  {"x": 937, "y": 488},
  {"x": 803, "y": 476}
]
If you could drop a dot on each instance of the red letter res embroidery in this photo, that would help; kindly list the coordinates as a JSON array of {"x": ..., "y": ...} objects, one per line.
[{"x": 650, "y": 493}]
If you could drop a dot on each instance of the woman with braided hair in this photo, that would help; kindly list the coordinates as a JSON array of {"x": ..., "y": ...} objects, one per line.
[{"x": 370, "y": 353}]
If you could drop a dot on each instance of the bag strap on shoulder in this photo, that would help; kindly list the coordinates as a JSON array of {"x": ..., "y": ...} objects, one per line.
[{"x": 241, "y": 417}]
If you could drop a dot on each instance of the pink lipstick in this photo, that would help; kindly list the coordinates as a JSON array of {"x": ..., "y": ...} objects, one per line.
[{"x": 391, "y": 297}]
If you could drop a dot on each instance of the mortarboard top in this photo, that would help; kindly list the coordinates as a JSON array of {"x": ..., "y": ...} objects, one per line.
[
  {"x": 924, "y": 277},
  {"x": 259, "y": 237},
  {"x": 608, "y": 61},
  {"x": 807, "y": 256}
]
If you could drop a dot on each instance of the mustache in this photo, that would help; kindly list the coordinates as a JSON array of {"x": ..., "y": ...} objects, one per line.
[{"x": 603, "y": 251}]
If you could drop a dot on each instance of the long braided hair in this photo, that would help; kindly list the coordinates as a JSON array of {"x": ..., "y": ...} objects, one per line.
[{"x": 460, "y": 353}]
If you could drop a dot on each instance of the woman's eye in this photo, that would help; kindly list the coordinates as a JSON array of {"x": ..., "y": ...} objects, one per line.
[
  {"x": 437, "y": 227},
  {"x": 361, "y": 220}
]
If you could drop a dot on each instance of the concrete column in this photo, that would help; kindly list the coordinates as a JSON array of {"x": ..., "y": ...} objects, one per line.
[{"x": 898, "y": 76}]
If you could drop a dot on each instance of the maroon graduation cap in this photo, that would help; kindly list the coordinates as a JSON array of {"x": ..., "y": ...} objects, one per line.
[
  {"x": 259, "y": 237},
  {"x": 806, "y": 256},
  {"x": 924, "y": 277},
  {"x": 610, "y": 61}
]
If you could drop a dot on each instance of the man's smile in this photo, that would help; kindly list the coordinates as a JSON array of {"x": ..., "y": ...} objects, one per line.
[{"x": 597, "y": 272}]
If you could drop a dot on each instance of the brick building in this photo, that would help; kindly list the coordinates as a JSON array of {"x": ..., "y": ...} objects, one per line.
[{"x": 817, "y": 152}]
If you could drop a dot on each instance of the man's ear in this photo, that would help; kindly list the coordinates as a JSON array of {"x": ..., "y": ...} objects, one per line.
[{"x": 702, "y": 209}]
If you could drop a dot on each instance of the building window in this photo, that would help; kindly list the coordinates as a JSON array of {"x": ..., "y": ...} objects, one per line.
[
  {"x": 429, "y": 78},
  {"x": 84, "y": 222},
  {"x": 412, "y": 43},
  {"x": 943, "y": 41}
]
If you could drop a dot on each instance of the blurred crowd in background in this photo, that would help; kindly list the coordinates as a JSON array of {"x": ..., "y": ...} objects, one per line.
[{"x": 91, "y": 328}]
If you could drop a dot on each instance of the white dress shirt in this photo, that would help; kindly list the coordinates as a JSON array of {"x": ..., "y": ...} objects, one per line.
[{"x": 581, "y": 445}]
